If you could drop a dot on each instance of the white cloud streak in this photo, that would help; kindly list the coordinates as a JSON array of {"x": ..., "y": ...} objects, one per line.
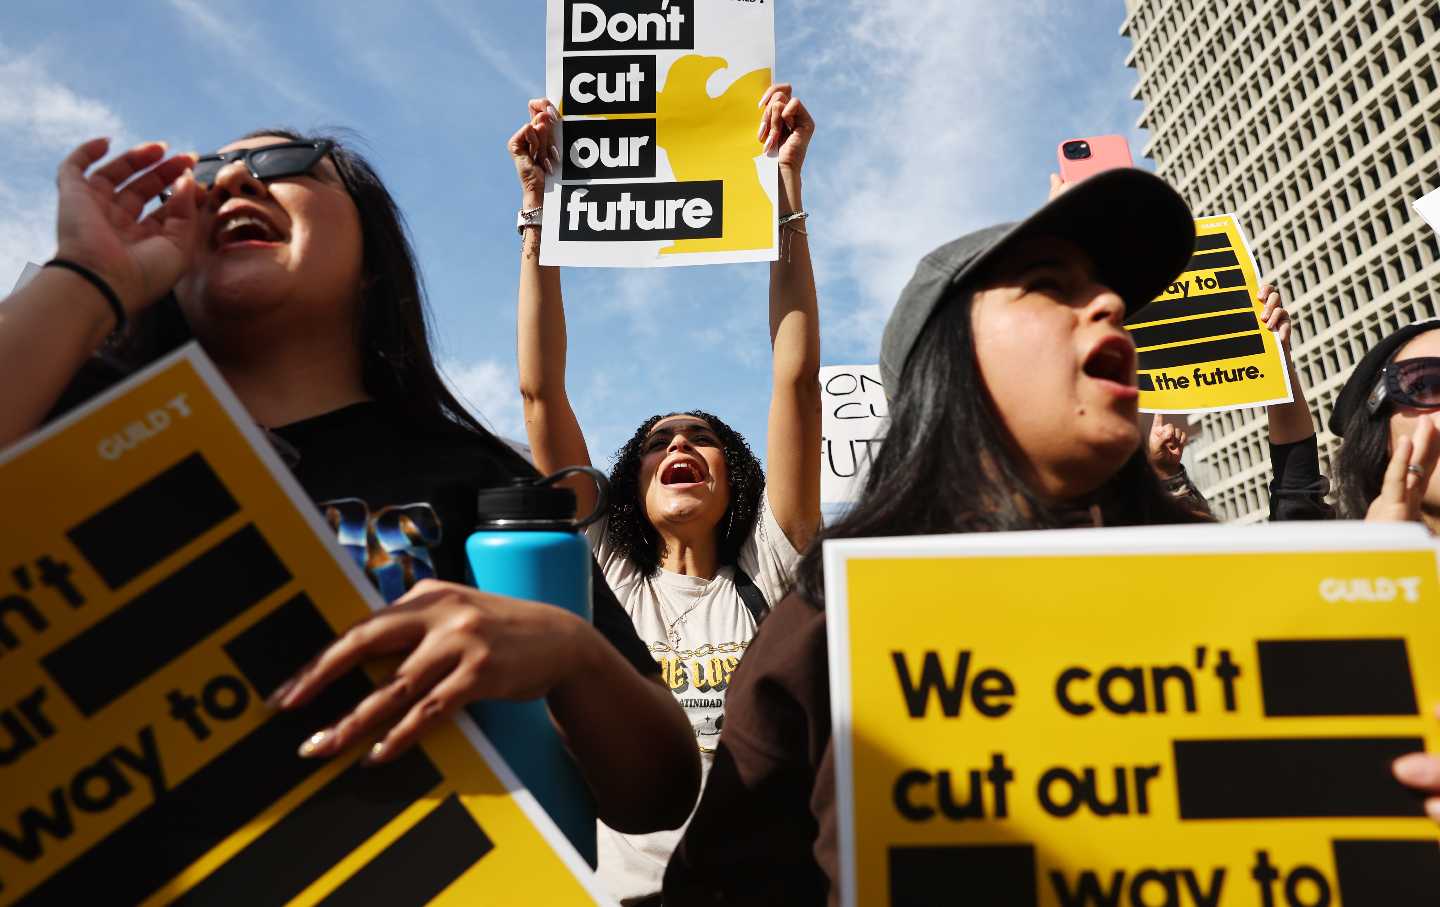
[
  {"x": 42, "y": 119},
  {"x": 248, "y": 48},
  {"x": 930, "y": 98},
  {"x": 470, "y": 25}
]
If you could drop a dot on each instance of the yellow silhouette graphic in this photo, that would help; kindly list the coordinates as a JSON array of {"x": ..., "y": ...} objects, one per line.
[{"x": 714, "y": 139}]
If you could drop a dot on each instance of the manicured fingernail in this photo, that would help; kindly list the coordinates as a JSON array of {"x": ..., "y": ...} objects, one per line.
[
  {"x": 277, "y": 698},
  {"x": 554, "y": 154},
  {"x": 314, "y": 742},
  {"x": 554, "y": 114},
  {"x": 376, "y": 754},
  {"x": 1416, "y": 769}
]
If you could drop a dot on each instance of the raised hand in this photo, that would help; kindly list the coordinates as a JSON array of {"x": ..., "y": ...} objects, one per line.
[
  {"x": 99, "y": 223},
  {"x": 1274, "y": 316},
  {"x": 786, "y": 127},
  {"x": 1411, "y": 465},
  {"x": 533, "y": 150},
  {"x": 1165, "y": 447}
]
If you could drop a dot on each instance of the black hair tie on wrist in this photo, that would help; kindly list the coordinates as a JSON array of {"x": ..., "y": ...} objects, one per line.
[{"x": 99, "y": 283}]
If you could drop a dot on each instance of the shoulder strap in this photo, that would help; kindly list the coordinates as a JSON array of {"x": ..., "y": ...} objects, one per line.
[{"x": 751, "y": 595}]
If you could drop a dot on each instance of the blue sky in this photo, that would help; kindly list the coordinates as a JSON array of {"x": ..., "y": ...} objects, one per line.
[{"x": 935, "y": 117}]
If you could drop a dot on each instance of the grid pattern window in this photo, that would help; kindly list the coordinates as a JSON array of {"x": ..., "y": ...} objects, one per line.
[{"x": 1318, "y": 123}]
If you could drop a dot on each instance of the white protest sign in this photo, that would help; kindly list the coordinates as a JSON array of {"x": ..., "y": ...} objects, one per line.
[
  {"x": 1429, "y": 208},
  {"x": 660, "y": 163},
  {"x": 853, "y": 418},
  {"x": 27, "y": 275}
]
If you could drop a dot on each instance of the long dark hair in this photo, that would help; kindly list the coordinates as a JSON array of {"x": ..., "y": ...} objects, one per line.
[
  {"x": 947, "y": 466},
  {"x": 630, "y": 529},
  {"x": 398, "y": 365},
  {"x": 1360, "y": 465}
]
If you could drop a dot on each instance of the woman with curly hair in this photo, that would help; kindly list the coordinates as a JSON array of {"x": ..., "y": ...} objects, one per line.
[{"x": 697, "y": 544}]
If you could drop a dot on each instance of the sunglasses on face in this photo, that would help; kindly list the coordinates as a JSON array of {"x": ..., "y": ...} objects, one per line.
[
  {"x": 1409, "y": 382},
  {"x": 271, "y": 162}
]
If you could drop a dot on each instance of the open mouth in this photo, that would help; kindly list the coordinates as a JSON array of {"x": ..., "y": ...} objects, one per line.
[
  {"x": 1113, "y": 359},
  {"x": 681, "y": 472},
  {"x": 244, "y": 229}
]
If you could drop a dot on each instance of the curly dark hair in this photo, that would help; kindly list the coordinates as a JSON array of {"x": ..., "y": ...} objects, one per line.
[{"x": 630, "y": 529}]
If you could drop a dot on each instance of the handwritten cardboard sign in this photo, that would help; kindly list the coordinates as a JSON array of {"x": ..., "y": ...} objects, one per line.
[
  {"x": 1168, "y": 716},
  {"x": 163, "y": 574},
  {"x": 853, "y": 419}
]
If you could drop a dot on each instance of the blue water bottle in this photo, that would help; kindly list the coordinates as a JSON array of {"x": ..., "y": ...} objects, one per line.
[{"x": 528, "y": 544}]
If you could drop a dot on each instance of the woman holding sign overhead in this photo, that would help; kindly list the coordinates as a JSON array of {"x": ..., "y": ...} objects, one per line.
[
  {"x": 699, "y": 543},
  {"x": 287, "y": 259},
  {"x": 1013, "y": 405}
]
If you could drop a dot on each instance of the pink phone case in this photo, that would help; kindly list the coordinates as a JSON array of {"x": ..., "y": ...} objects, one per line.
[{"x": 1106, "y": 153}]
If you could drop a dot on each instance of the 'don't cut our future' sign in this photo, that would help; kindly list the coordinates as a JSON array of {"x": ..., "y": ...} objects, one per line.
[{"x": 659, "y": 160}]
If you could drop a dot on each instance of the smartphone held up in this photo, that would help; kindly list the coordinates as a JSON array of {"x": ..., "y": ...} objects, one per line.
[{"x": 1082, "y": 158}]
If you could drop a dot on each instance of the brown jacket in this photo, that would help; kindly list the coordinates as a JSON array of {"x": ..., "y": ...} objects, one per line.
[{"x": 765, "y": 829}]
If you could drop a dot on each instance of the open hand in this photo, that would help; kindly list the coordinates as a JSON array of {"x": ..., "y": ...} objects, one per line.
[
  {"x": 99, "y": 223},
  {"x": 1411, "y": 465}
]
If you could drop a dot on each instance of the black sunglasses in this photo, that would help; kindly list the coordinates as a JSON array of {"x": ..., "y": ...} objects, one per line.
[
  {"x": 1409, "y": 382},
  {"x": 270, "y": 162}
]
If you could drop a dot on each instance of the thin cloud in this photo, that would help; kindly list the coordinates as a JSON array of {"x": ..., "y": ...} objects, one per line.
[
  {"x": 247, "y": 47},
  {"x": 491, "y": 390},
  {"x": 491, "y": 52},
  {"x": 42, "y": 119},
  {"x": 922, "y": 107}
]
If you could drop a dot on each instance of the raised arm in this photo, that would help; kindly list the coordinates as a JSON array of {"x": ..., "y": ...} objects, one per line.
[
  {"x": 556, "y": 440},
  {"x": 1289, "y": 422},
  {"x": 53, "y": 324},
  {"x": 792, "y": 451}
]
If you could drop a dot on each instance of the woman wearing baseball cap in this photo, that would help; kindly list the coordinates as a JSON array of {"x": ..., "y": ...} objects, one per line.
[{"x": 1013, "y": 405}]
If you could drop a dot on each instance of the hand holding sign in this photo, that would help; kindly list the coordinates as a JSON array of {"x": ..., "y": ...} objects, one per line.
[
  {"x": 460, "y": 645},
  {"x": 1274, "y": 316},
  {"x": 532, "y": 148},
  {"x": 99, "y": 224}
]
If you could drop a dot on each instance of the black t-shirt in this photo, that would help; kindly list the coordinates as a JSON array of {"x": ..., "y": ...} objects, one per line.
[{"x": 401, "y": 495}]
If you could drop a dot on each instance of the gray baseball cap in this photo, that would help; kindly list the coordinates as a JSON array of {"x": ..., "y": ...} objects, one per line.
[{"x": 1137, "y": 230}]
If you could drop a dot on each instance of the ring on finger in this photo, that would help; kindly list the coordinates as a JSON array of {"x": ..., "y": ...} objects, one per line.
[{"x": 1415, "y": 470}]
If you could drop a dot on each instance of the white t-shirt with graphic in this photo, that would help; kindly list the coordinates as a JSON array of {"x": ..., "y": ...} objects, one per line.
[{"x": 697, "y": 630}]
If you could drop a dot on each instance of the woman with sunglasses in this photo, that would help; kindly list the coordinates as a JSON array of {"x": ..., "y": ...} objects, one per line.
[
  {"x": 287, "y": 259},
  {"x": 699, "y": 541},
  {"x": 1388, "y": 417}
]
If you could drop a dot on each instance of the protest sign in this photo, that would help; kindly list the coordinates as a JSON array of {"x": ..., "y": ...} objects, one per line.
[
  {"x": 163, "y": 574},
  {"x": 1202, "y": 347},
  {"x": 1047, "y": 719},
  {"x": 852, "y": 428},
  {"x": 660, "y": 164},
  {"x": 1429, "y": 208},
  {"x": 26, "y": 275}
]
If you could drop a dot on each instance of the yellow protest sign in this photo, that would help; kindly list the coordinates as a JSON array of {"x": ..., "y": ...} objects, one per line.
[
  {"x": 1202, "y": 347},
  {"x": 163, "y": 574},
  {"x": 659, "y": 160},
  {"x": 1173, "y": 717}
]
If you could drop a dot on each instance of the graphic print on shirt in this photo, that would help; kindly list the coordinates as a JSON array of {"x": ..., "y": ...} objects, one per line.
[
  {"x": 698, "y": 678},
  {"x": 392, "y": 545}
]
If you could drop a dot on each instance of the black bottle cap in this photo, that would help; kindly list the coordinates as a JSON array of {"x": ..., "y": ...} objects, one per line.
[{"x": 524, "y": 502}]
